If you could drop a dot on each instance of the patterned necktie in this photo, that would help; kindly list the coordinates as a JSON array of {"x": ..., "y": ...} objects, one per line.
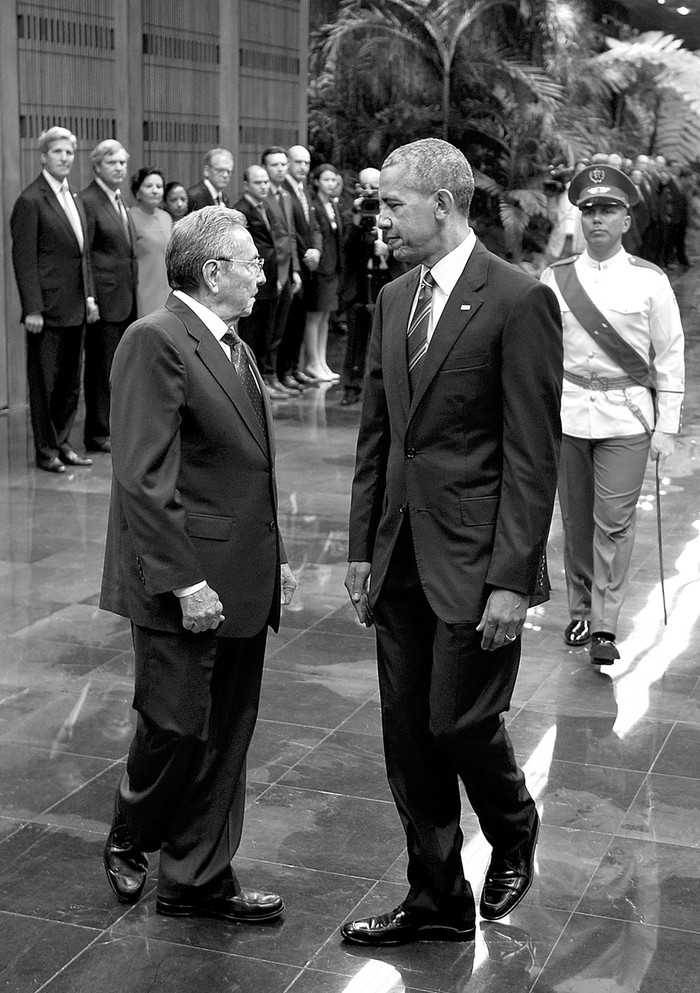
[
  {"x": 301, "y": 193},
  {"x": 121, "y": 210},
  {"x": 417, "y": 334},
  {"x": 240, "y": 363},
  {"x": 68, "y": 204}
]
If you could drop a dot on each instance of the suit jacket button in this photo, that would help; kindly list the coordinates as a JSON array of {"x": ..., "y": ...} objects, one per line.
[
  {"x": 401, "y": 509},
  {"x": 271, "y": 525},
  {"x": 411, "y": 453}
]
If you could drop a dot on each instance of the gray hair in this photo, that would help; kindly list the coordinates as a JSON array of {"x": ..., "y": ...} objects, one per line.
[
  {"x": 432, "y": 164},
  {"x": 216, "y": 151},
  {"x": 204, "y": 234},
  {"x": 105, "y": 148},
  {"x": 52, "y": 135}
]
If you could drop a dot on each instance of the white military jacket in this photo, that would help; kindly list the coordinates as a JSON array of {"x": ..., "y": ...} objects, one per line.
[{"x": 637, "y": 299}]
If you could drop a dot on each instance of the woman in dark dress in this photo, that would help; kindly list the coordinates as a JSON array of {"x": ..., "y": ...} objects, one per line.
[{"x": 324, "y": 285}]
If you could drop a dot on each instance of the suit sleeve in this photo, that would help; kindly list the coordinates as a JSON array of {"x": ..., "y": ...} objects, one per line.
[
  {"x": 149, "y": 391},
  {"x": 24, "y": 224},
  {"x": 531, "y": 378},
  {"x": 369, "y": 483}
]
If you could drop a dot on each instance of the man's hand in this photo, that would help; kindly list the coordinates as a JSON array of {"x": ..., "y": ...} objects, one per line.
[
  {"x": 296, "y": 283},
  {"x": 312, "y": 257},
  {"x": 357, "y": 585},
  {"x": 502, "y": 620},
  {"x": 288, "y": 584},
  {"x": 93, "y": 311},
  {"x": 201, "y": 611},
  {"x": 34, "y": 323},
  {"x": 662, "y": 445}
]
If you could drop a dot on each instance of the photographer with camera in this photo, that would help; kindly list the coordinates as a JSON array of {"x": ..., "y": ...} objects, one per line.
[
  {"x": 566, "y": 237},
  {"x": 368, "y": 266}
]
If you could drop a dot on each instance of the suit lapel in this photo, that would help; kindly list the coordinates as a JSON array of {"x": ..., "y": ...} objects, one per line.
[
  {"x": 114, "y": 220},
  {"x": 461, "y": 306},
  {"x": 212, "y": 355},
  {"x": 54, "y": 205}
]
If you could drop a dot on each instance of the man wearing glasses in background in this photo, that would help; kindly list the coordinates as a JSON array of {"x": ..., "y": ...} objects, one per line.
[
  {"x": 195, "y": 560},
  {"x": 216, "y": 176}
]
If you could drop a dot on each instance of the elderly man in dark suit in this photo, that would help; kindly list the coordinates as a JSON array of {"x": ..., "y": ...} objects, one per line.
[
  {"x": 216, "y": 176},
  {"x": 195, "y": 560},
  {"x": 52, "y": 269},
  {"x": 451, "y": 505},
  {"x": 111, "y": 242}
]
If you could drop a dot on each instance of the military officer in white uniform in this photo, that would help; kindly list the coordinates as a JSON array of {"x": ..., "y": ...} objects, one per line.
[{"x": 623, "y": 347}]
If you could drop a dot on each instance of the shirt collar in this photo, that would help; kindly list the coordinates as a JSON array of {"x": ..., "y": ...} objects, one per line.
[
  {"x": 112, "y": 194},
  {"x": 55, "y": 184},
  {"x": 212, "y": 321},
  {"x": 212, "y": 190},
  {"x": 614, "y": 260},
  {"x": 450, "y": 267}
]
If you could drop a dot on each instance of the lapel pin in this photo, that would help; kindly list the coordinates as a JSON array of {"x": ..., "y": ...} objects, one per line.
[{"x": 466, "y": 306}]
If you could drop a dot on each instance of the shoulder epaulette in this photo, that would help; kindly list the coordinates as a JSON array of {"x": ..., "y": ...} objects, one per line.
[
  {"x": 571, "y": 258},
  {"x": 635, "y": 260}
]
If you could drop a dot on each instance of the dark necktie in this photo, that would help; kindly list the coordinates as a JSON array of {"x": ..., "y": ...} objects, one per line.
[
  {"x": 417, "y": 334},
  {"x": 240, "y": 363},
  {"x": 263, "y": 214}
]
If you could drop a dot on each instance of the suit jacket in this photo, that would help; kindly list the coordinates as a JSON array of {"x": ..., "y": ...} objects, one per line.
[
  {"x": 307, "y": 232},
  {"x": 199, "y": 196},
  {"x": 53, "y": 275},
  {"x": 473, "y": 455},
  {"x": 263, "y": 237},
  {"x": 281, "y": 214},
  {"x": 112, "y": 256},
  {"x": 331, "y": 241},
  {"x": 193, "y": 490}
]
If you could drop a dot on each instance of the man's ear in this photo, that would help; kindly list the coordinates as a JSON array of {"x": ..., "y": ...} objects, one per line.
[
  {"x": 628, "y": 221},
  {"x": 444, "y": 203}
]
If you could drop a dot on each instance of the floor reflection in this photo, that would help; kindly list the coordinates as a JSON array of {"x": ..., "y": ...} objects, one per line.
[{"x": 611, "y": 757}]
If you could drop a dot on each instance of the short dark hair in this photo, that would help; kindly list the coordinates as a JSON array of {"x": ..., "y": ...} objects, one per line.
[
  {"x": 203, "y": 234},
  {"x": 138, "y": 179},
  {"x": 273, "y": 150},
  {"x": 169, "y": 187},
  {"x": 432, "y": 164}
]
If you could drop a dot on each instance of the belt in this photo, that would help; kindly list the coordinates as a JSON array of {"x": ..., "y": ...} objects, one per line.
[{"x": 596, "y": 382}]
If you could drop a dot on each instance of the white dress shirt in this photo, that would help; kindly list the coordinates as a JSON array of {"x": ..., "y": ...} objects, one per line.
[{"x": 446, "y": 272}]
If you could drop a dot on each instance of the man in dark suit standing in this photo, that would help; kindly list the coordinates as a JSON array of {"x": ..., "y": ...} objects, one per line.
[
  {"x": 194, "y": 559},
  {"x": 111, "y": 240},
  {"x": 281, "y": 214},
  {"x": 216, "y": 176},
  {"x": 49, "y": 234},
  {"x": 309, "y": 244},
  {"x": 451, "y": 505},
  {"x": 256, "y": 330}
]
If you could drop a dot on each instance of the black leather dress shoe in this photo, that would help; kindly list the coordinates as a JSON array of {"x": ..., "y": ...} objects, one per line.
[
  {"x": 508, "y": 878},
  {"x": 290, "y": 383},
  {"x": 125, "y": 864},
  {"x": 247, "y": 907},
  {"x": 72, "y": 458},
  {"x": 603, "y": 649},
  {"x": 578, "y": 632},
  {"x": 51, "y": 465},
  {"x": 304, "y": 380},
  {"x": 399, "y": 927},
  {"x": 99, "y": 446}
]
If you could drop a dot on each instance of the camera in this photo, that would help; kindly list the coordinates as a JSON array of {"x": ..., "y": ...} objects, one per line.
[
  {"x": 369, "y": 204},
  {"x": 557, "y": 179}
]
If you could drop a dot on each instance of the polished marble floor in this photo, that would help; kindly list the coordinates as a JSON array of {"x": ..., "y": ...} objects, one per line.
[{"x": 613, "y": 758}]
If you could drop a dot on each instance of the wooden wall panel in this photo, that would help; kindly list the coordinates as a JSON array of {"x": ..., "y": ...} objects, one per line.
[{"x": 169, "y": 78}]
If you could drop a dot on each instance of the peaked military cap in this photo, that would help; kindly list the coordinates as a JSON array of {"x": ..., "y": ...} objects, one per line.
[{"x": 602, "y": 184}]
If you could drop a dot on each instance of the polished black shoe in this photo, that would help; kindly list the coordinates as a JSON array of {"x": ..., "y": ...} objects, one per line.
[
  {"x": 399, "y": 927},
  {"x": 247, "y": 907},
  {"x": 304, "y": 379},
  {"x": 72, "y": 458},
  {"x": 350, "y": 397},
  {"x": 51, "y": 465},
  {"x": 508, "y": 878},
  {"x": 603, "y": 649},
  {"x": 98, "y": 446},
  {"x": 290, "y": 383},
  {"x": 578, "y": 632},
  {"x": 125, "y": 864}
]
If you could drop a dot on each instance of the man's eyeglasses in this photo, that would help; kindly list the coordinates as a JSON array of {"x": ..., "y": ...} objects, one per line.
[{"x": 257, "y": 262}]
